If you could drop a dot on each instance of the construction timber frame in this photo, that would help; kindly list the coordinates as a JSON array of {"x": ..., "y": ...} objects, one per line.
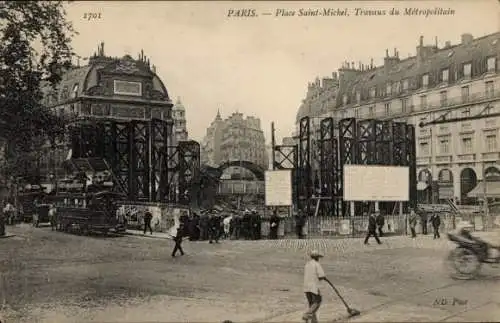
[
  {"x": 355, "y": 142},
  {"x": 140, "y": 157}
]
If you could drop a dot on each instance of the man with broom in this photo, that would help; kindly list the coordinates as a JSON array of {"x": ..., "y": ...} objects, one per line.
[{"x": 313, "y": 274}]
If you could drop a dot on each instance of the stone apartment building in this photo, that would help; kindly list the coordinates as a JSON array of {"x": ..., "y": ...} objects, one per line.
[{"x": 458, "y": 83}]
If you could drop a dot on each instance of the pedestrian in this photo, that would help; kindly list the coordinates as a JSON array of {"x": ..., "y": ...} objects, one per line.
[
  {"x": 299, "y": 224},
  {"x": 9, "y": 212},
  {"x": 313, "y": 274},
  {"x": 412, "y": 221},
  {"x": 372, "y": 229},
  {"x": 274, "y": 225},
  {"x": 35, "y": 213},
  {"x": 213, "y": 228},
  {"x": 423, "y": 221},
  {"x": 380, "y": 224},
  {"x": 204, "y": 226},
  {"x": 436, "y": 222},
  {"x": 52, "y": 217},
  {"x": 178, "y": 240},
  {"x": 147, "y": 222}
]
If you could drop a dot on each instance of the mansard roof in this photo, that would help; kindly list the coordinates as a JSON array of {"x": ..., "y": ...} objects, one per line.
[
  {"x": 475, "y": 52},
  {"x": 85, "y": 80}
]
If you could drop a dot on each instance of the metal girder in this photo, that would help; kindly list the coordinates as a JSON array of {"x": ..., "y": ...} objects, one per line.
[
  {"x": 159, "y": 135},
  {"x": 399, "y": 143},
  {"x": 366, "y": 142},
  {"x": 411, "y": 161},
  {"x": 329, "y": 170},
  {"x": 304, "y": 180},
  {"x": 140, "y": 159},
  {"x": 348, "y": 154},
  {"x": 189, "y": 171}
]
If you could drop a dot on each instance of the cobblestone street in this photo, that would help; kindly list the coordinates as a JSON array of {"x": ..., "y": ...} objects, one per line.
[{"x": 55, "y": 277}]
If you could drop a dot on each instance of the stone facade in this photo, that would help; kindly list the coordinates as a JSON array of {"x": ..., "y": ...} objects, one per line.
[
  {"x": 235, "y": 139},
  {"x": 180, "y": 125}
]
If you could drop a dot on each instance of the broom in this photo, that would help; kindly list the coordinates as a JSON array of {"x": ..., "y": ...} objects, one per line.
[{"x": 352, "y": 311}]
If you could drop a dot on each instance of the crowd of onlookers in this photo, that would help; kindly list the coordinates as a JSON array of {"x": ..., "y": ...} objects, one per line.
[{"x": 214, "y": 225}]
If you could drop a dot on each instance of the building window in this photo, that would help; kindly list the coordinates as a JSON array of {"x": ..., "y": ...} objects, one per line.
[
  {"x": 397, "y": 87},
  {"x": 405, "y": 85},
  {"x": 424, "y": 148},
  {"x": 344, "y": 99},
  {"x": 425, "y": 80},
  {"x": 358, "y": 97},
  {"x": 445, "y": 74},
  {"x": 389, "y": 89},
  {"x": 465, "y": 93},
  {"x": 372, "y": 92},
  {"x": 492, "y": 62},
  {"x": 443, "y": 98},
  {"x": 387, "y": 108},
  {"x": 444, "y": 146},
  {"x": 491, "y": 143},
  {"x": 490, "y": 90},
  {"x": 467, "y": 70},
  {"x": 371, "y": 111},
  {"x": 466, "y": 145},
  {"x": 423, "y": 101},
  {"x": 356, "y": 113}
]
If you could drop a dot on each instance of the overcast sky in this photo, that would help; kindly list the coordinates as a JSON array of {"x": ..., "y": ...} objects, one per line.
[{"x": 261, "y": 65}]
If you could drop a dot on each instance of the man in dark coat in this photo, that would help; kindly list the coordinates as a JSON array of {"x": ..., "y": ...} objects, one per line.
[
  {"x": 204, "y": 219},
  {"x": 274, "y": 222},
  {"x": 423, "y": 220},
  {"x": 246, "y": 225},
  {"x": 380, "y": 224},
  {"x": 436, "y": 222},
  {"x": 178, "y": 240},
  {"x": 213, "y": 228},
  {"x": 372, "y": 228},
  {"x": 300, "y": 221},
  {"x": 147, "y": 222}
]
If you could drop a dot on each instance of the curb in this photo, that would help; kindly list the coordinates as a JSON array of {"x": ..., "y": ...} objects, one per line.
[
  {"x": 7, "y": 236},
  {"x": 145, "y": 235}
]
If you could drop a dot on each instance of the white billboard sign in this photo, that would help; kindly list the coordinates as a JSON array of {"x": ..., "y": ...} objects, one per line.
[
  {"x": 376, "y": 183},
  {"x": 278, "y": 187}
]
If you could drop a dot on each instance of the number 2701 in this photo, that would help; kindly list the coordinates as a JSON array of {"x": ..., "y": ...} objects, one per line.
[{"x": 92, "y": 15}]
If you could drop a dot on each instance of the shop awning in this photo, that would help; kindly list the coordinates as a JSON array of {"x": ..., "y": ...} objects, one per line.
[
  {"x": 492, "y": 190},
  {"x": 422, "y": 186}
]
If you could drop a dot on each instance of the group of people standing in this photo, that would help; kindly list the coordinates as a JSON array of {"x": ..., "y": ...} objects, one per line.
[{"x": 213, "y": 226}]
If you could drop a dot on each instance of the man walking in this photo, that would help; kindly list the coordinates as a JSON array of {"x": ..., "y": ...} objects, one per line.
[
  {"x": 372, "y": 229},
  {"x": 412, "y": 221},
  {"x": 178, "y": 240},
  {"x": 147, "y": 222},
  {"x": 436, "y": 222},
  {"x": 299, "y": 224},
  {"x": 274, "y": 225},
  {"x": 313, "y": 274},
  {"x": 380, "y": 224}
]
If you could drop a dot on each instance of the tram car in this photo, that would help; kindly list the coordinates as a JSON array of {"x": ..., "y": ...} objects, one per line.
[
  {"x": 88, "y": 213},
  {"x": 86, "y": 199}
]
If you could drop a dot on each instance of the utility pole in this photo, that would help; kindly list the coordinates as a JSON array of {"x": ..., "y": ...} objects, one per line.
[
  {"x": 485, "y": 197},
  {"x": 273, "y": 143}
]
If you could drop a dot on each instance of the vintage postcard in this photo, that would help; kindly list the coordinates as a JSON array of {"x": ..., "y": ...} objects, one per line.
[{"x": 249, "y": 161}]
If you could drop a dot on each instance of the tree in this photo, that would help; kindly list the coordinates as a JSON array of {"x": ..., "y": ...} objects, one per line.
[{"x": 35, "y": 47}]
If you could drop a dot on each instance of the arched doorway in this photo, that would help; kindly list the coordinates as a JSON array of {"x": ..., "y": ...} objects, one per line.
[
  {"x": 468, "y": 180},
  {"x": 424, "y": 186},
  {"x": 445, "y": 185}
]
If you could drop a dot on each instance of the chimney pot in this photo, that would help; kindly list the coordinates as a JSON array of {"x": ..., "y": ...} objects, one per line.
[
  {"x": 467, "y": 39},
  {"x": 395, "y": 51},
  {"x": 421, "y": 40},
  {"x": 386, "y": 52}
]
